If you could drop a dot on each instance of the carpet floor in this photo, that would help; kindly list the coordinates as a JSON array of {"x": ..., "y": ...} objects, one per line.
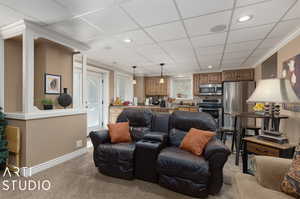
[{"x": 79, "y": 179}]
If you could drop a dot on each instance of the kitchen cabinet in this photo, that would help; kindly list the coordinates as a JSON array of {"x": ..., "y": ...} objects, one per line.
[
  {"x": 154, "y": 88},
  {"x": 205, "y": 78},
  {"x": 238, "y": 75}
]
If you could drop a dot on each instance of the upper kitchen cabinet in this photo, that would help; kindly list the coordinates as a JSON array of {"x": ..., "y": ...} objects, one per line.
[
  {"x": 205, "y": 78},
  {"x": 238, "y": 75},
  {"x": 154, "y": 88}
]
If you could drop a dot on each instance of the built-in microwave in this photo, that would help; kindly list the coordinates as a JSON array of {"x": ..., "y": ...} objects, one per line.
[{"x": 211, "y": 89}]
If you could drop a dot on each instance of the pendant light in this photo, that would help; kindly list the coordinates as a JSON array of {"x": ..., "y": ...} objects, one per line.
[
  {"x": 161, "y": 81},
  {"x": 134, "y": 80}
]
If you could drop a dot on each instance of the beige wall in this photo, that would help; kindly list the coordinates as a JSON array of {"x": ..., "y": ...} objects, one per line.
[
  {"x": 13, "y": 75},
  {"x": 47, "y": 139},
  {"x": 291, "y": 126},
  {"x": 54, "y": 59}
]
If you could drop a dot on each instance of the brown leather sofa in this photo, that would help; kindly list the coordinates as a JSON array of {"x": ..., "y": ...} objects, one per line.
[{"x": 266, "y": 182}]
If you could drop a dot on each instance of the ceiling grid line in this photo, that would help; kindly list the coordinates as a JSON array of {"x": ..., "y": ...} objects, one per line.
[
  {"x": 227, "y": 34},
  {"x": 275, "y": 25},
  {"x": 187, "y": 34},
  {"x": 142, "y": 28}
]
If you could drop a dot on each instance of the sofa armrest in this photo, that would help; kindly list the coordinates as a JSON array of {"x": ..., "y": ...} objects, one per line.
[
  {"x": 99, "y": 137},
  {"x": 216, "y": 153},
  {"x": 156, "y": 136},
  {"x": 216, "y": 147},
  {"x": 271, "y": 170}
]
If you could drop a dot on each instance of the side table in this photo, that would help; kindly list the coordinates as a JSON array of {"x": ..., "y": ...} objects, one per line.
[{"x": 257, "y": 146}]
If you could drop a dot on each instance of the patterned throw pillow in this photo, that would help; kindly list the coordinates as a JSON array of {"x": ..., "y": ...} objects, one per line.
[{"x": 291, "y": 181}]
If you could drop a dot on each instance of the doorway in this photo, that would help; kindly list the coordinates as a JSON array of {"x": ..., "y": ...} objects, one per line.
[{"x": 95, "y": 102}]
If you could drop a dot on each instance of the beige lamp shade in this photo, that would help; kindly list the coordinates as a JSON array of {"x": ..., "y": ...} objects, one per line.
[{"x": 274, "y": 91}]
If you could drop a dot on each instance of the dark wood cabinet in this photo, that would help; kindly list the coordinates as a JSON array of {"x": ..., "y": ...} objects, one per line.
[
  {"x": 205, "y": 78},
  {"x": 154, "y": 88},
  {"x": 238, "y": 75}
]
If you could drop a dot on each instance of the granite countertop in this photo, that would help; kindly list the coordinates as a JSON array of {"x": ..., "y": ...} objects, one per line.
[{"x": 153, "y": 106}]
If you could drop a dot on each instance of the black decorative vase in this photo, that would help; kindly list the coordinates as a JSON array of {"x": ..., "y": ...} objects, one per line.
[
  {"x": 65, "y": 99},
  {"x": 48, "y": 106}
]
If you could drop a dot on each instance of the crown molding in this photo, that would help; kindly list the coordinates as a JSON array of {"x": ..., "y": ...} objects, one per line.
[
  {"x": 280, "y": 45},
  {"x": 19, "y": 27},
  {"x": 12, "y": 30},
  {"x": 106, "y": 67}
]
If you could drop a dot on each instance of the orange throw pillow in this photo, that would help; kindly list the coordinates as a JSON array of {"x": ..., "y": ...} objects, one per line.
[
  {"x": 196, "y": 140},
  {"x": 119, "y": 132}
]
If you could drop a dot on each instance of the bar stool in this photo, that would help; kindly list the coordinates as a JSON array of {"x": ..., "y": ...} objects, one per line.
[{"x": 225, "y": 131}]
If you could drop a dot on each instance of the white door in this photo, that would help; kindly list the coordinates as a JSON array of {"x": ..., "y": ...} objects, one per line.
[{"x": 95, "y": 100}]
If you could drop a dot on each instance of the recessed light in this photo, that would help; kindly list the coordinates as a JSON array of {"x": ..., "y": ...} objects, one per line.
[
  {"x": 210, "y": 66},
  {"x": 127, "y": 40},
  {"x": 245, "y": 18}
]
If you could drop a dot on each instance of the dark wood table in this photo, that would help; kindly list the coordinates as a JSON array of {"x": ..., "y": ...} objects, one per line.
[
  {"x": 257, "y": 146},
  {"x": 240, "y": 117}
]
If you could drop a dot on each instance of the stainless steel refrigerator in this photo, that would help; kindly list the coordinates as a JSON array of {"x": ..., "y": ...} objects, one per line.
[{"x": 235, "y": 95}]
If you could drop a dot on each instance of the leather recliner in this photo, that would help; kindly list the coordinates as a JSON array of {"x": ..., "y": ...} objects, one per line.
[
  {"x": 184, "y": 172},
  {"x": 155, "y": 156},
  {"x": 117, "y": 160}
]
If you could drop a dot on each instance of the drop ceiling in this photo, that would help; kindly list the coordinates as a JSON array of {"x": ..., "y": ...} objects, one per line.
[{"x": 177, "y": 32}]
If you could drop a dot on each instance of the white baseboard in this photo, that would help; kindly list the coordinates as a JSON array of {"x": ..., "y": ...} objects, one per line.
[{"x": 29, "y": 171}]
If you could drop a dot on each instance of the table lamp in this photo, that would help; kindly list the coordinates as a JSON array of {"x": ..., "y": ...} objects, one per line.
[{"x": 273, "y": 92}]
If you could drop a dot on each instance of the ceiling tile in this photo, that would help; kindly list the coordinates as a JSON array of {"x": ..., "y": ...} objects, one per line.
[
  {"x": 148, "y": 13},
  {"x": 209, "y": 58},
  {"x": 138, "y": 37},
  {"x": 202, "y": 25},
  {"x": 210, "y": 50},
  {"x": 209, "y": 40},
  {"x": 234, "y": 62},
  {"x": 260, "y": 16},
  {"x": 193, "y": 8},
  {"x": 243, "y": 46},
  {"x": 214, "y": 63},
  {"x": 76, "y": 29},
  {"x": 285, "y": 28},
  {"x": 231, "y": 65},
  {"x": 177, "y": 45},
  {"x": 270, "y": 42},
  {"x": 118, "y": 20},
  {"x": 248, "y": 2},
  {"x": 294, "y": 12},
  {"x": 153, "y": 53},
  {"x": 8, "y": 16},
  {"x": 249, "y": 34},
  {"x": 46, "y": 11},
  {"x": 79, "y": 7},
  {"x": 236, "y": 56},
  {"x": 260, "y": 52},
  {"x": 167, "y": 32},
  {"x": 251, "y": 61}
]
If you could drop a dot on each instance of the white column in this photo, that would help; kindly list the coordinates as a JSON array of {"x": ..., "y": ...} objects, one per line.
[
  {"x": 2, "y": 73},
  {"x": 28, "y": 72},
  {"x": 84, "y": 82}
]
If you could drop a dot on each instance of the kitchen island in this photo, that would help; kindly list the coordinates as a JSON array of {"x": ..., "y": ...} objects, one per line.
[{"x": 114, "y": 111}]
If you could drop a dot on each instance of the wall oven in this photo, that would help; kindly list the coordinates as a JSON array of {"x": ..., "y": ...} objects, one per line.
[
  {"x": 211, "y": 89},
  {"x": 214, "y": 107}
]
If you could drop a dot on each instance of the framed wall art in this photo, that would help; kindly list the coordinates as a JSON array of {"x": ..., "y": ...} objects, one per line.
[
  {"x": 52, "y": 84},
  {"x": 291, "y": 71}
]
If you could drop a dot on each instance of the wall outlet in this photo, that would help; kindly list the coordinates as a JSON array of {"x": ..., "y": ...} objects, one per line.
[{"x": 79, "y": 143}]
